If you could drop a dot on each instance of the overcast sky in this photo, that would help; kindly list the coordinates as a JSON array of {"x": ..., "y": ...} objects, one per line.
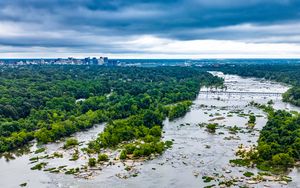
[{"x": 150, "y": 28}]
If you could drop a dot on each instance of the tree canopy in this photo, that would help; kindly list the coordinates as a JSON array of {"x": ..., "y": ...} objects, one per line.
[{"x": 48, "y": 102}]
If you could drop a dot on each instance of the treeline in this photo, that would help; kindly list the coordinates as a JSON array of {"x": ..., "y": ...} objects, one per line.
[
  {"x": 278, "y": 145},
  {"x": 146, "y": 128},
  {"x": 49, "y": 102},
  {"x": 280, "y": 72},
  {"x": 279, "y": 141},
  {"x": 292, "y": 95},
  {"x": 178, "y": 109},
  {"x": 140, "y": 134}
]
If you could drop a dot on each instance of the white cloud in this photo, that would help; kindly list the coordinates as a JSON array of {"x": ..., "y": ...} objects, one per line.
[
  {"x": 153, "y": 47},
  {"x": 213, "y": 48}
]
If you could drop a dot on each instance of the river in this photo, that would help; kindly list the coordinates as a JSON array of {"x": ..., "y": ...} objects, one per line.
[{"x": 195, "y": 152}]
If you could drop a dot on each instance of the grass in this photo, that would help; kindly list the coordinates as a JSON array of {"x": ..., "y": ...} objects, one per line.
[
  {"x": 40, "y": 150},
  {"x": 240, "y": 162},
  {"x": 38, "y": 166},
  {"x": 70, "y": 142},
  {"x": 248, "y": 174},
  {"x": 207, "y": 179}
]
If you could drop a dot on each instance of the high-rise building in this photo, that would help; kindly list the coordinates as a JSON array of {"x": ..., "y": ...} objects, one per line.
[
  {"x": 94, "y": 61},
  {"x": 87, "y": 60},
  {"x": 102, "y": 61}
]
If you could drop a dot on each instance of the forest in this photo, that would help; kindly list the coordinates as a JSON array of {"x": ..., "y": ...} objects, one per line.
[
  {"x": 49, "y": 102},
  {"x": 287, "y": 73},
  {"x": 279, "y": 142}
]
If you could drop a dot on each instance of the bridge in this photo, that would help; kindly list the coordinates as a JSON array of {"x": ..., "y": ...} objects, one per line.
[{"x": 242, "y": 93}]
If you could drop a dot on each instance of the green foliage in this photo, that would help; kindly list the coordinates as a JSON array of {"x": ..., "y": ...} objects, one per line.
[
  {"x": 282, "y": 159},
  {"x": 15, "y": 140},
  {"x": 128, "y": 129},
  {"x": 234, "y": 129},
  {"x": 248, "y": 174},
  {"x": 226, "y": 183},
  {"x": 75, "y": 155},
  {"x": 252, "y": 119},
  {"x": 123, "y": 155},
  {"x": 207, "y": 179},
  {"x": 211, "y": 127},
  {"x": 40, "y": 101},
  {"x": 146, "y": 149},
  {"x": 92, "y": 162},
  {"x": 40, "y": 150},
  {"x": 168, "y": 143},
  {"x": 240, "y": 162},
  {"x": 38, "y": 166},
  {"x": 102, "y": 157},
  {"x": 292, "y": 95},
  {"x": 57, "y": 155},
  {"x": 179, "y": 109},
  {"x": 142, "y": 149},
  {"x": 72, "y": 171},
  {"x": 279, "y": 141},
  {"x": 70, "y": 142}
]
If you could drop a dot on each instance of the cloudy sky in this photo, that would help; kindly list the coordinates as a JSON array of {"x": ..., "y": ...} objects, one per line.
[{"x": 150, "y": 28}]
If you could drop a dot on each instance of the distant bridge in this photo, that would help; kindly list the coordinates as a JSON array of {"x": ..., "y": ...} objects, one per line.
[{"x": 242, "y": 93}]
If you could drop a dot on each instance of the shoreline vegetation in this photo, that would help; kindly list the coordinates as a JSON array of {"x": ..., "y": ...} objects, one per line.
[
  {"x": 49, "y": 103},
  {"x": 39, "y": 102},
  {"x": 278, "y": 146}
]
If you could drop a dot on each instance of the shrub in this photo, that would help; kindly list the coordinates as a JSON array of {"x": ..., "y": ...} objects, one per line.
[
  {"x": 168, "y": 143},
  {"x": 92, "y": 162},
  {"x": 102, "y": 157},
  {"x": 40, "y": 150},
  {"x": 211, "y": 127},
  {"x": 283, "y": 160},
  {"x": 70, "y": 142},
  {"x": 248, "y": 174},
  {"x": 123, "y": 155},
  {"x": 252, "y": 119}
]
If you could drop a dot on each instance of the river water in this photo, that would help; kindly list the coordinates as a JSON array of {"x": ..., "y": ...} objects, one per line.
[{"x": 195, "y": 152}]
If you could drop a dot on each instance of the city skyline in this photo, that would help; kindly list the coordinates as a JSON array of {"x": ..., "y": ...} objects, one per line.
[{"x": 150, "y": 29}]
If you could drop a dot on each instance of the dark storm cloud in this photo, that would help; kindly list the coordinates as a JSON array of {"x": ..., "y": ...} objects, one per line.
[{"x": 175, "y": 19}]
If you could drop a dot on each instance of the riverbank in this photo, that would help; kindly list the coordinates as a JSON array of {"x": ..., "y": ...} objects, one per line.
[{"x": 198, "y": 157}]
